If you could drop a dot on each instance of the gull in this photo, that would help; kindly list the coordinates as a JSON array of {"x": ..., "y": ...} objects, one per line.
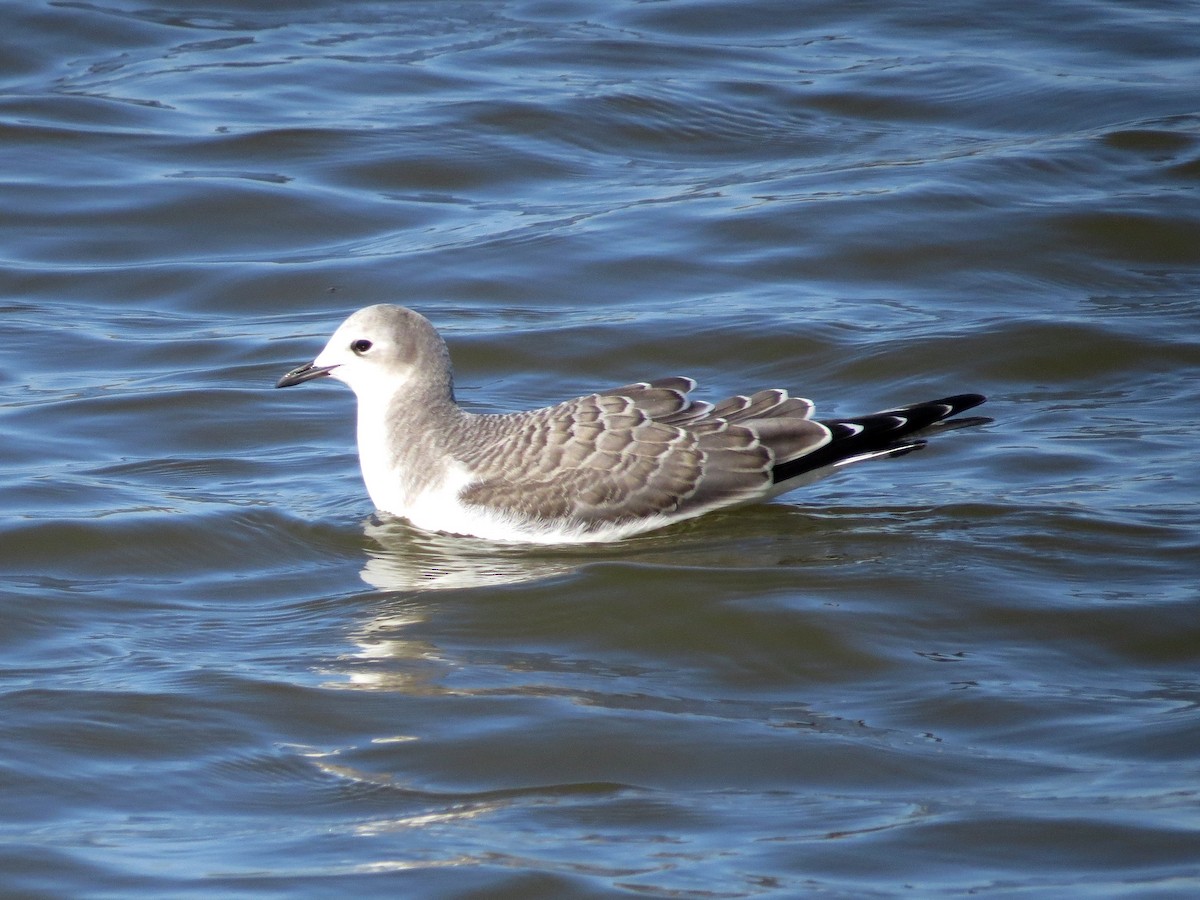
[{"x": 601, "y": 467}]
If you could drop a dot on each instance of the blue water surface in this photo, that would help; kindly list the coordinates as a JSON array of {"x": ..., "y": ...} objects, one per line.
[{"x": 971, "y": 670}]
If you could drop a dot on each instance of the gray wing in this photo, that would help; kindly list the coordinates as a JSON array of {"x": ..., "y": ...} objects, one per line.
[{"x": 638, "y": 451}]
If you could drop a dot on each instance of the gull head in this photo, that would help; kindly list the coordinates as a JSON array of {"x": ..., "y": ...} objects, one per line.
[{"x": 378, "y": 350}]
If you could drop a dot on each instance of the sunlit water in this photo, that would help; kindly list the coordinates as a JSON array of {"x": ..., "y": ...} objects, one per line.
[{"x": 972, "y": 669}]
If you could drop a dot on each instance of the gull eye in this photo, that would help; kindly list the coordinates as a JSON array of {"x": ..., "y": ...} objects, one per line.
[{"x": 361, "y": 346}]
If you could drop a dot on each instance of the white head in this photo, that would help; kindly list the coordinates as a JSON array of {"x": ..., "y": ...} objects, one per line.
[{"x": 380, "y": 349}]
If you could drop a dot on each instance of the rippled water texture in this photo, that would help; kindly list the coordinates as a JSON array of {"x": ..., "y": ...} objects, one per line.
[{"x": 972, "y": 669}]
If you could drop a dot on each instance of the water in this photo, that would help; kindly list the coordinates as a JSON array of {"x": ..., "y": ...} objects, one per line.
[{"x": 970, "y": 670}]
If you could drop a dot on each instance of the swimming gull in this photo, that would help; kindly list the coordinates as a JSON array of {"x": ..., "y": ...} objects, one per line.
[{"x": 597, "y": 468}]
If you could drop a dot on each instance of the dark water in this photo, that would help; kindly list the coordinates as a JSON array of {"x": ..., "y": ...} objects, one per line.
[{"x": 971, "y": 670}]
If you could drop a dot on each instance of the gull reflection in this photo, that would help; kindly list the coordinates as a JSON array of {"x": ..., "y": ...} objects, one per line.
[
  {"x": 426, "y": 580},
  {"x": 408, "y": 559},
  {"x": 388, "y": 659}
]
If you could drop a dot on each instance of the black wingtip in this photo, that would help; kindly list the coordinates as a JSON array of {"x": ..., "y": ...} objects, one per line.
[
  {"x": 958, "y": 403},
  {"x": 955, "y": 403},
  {"x": 892, "y": 432}
]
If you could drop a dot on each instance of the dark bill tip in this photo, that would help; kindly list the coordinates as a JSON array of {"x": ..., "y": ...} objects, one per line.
[{"x": 304, "y": 373}]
